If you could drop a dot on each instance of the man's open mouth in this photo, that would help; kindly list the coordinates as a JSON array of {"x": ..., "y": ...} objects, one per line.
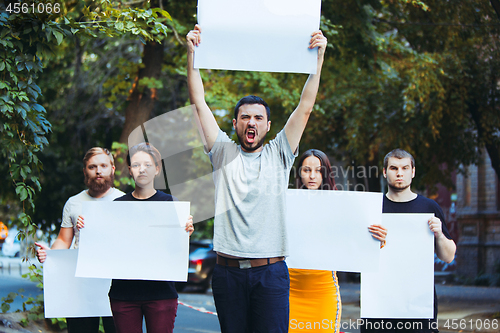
[{"x": 251, "y": 135}]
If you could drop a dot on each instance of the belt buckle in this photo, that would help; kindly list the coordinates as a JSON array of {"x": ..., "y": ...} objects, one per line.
[{"x": 244, "y": 264}]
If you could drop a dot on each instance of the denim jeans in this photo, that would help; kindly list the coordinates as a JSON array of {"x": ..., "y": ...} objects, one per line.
[{"x": 253, "y": 299}]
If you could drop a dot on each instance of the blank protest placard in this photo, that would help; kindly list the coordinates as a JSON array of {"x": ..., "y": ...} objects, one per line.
[
  {"x": 329, "y": 230},
  {"x": 134, "y": 240},
  {"x": 403, "y": 286},
  {"x": 67, "y": 296},
  {"x": 258, "y": 35}
]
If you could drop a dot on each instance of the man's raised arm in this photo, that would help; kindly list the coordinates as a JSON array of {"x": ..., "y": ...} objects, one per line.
[
  {"x": 197, "y": 93},
  {"x": 298, "y": 119}
]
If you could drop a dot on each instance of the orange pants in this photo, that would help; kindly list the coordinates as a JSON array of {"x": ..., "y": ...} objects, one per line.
[{"x": 315, "y": 304}]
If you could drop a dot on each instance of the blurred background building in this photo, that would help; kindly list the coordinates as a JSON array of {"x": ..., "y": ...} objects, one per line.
[{"x": 478, "y": 218}]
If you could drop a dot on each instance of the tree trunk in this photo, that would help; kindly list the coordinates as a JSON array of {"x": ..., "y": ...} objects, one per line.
[
  {"x": 494, "y": 150},
  {"x": 496, "y": 6},
  {"x": 486, "y": 137},
  {"x": 142, "y": 99},
  {"x": 494, "y": 153}
]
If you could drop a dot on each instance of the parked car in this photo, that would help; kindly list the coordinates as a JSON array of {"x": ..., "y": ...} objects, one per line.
[
  {"x": 4, "y": 231},
  {"x": 202, "y": 260},
  {"x": 12, "y": 246}
]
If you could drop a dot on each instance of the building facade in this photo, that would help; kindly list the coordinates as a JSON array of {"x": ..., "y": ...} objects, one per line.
[{"x": 478, "y": 218}]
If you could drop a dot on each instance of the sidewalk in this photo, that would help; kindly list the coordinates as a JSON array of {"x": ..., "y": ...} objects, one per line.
[
  {"x": 15, "y": 267},
  {"x": 468, "y": 308},
  {"x": 461, "y": 308}
]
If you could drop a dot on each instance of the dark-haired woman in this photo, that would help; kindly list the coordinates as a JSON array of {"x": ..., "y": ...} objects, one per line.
[{"x": 314, "y": 294}]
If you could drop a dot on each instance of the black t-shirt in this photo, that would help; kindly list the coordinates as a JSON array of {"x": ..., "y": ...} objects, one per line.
[
  {"x": 420, "y": 204},
  {"x": 143, "y": 290}
]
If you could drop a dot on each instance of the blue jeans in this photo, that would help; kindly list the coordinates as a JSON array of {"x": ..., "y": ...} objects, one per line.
[{"x": 253, "y": 299}]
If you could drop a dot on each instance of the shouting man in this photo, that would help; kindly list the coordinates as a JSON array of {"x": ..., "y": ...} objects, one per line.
[{"x": 250, "y": 282}]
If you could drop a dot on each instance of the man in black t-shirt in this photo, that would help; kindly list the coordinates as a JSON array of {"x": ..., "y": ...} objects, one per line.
[{"x": 399, "y": 170}]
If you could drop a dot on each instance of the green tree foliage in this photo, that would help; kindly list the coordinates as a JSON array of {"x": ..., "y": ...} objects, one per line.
[
  {"x": 23, "y": 124},
  {"x": 87, "y": 91},
  {"x": 408, "y": 74},
  {"x": 421, "y": 82},
  {"x": 29, "y": 39},
  {"x": 420, "y": 75}
]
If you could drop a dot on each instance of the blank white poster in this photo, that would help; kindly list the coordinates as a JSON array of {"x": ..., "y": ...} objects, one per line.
[
  {"x": 329, "y": 230},
  {"x": 403, "y": 286},
  {"x": 68, "y": 296},
  {"x": 134, "y": 240},
  {"x": 258, "y": 35}
]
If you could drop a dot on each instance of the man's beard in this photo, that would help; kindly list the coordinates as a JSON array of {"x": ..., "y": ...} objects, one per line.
[
  {"x": 398, "y": 188},
  {"x": 247, "y": 148},
  {"x": 99, "y": 185}
]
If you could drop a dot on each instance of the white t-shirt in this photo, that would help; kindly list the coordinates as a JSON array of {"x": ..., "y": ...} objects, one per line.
[
  {"x": 250, "y": 201},
  {"x": 73, "y": 208}
]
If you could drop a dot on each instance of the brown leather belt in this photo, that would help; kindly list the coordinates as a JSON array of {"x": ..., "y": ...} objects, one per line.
[{"x": 247, "y": 263}]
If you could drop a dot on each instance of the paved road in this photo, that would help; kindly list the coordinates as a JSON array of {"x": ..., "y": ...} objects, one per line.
[
  {"x": 189, "y": 320},
  {"x": 461, "y": 308},
  {"x": 13, "y": 284},
  {"x": 469, "y": 305}
]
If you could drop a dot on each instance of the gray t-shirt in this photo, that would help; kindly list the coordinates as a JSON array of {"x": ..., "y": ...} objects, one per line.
[
  {"x": 250, "y": 200},
  {"x": 73, "y": 208}
]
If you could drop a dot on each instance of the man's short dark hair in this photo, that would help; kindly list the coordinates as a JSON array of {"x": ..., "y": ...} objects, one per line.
[
  {"x": 251, "y": 99},
  {"x": 398, "y": 153}
]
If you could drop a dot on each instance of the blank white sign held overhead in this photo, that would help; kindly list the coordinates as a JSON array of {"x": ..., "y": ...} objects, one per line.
[
  {"x": 329, "y": 230},
  {"x": 258, "y": 35},
  {"x": 134, "y": 240}
]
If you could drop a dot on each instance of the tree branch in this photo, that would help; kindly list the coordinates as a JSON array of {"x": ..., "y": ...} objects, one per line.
[
  {"x": 438, "y": 24},
  {"x": 132, "y": 2},
  {"x": 496, "y": 7},
  {"x": 176, "y": 34}
]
